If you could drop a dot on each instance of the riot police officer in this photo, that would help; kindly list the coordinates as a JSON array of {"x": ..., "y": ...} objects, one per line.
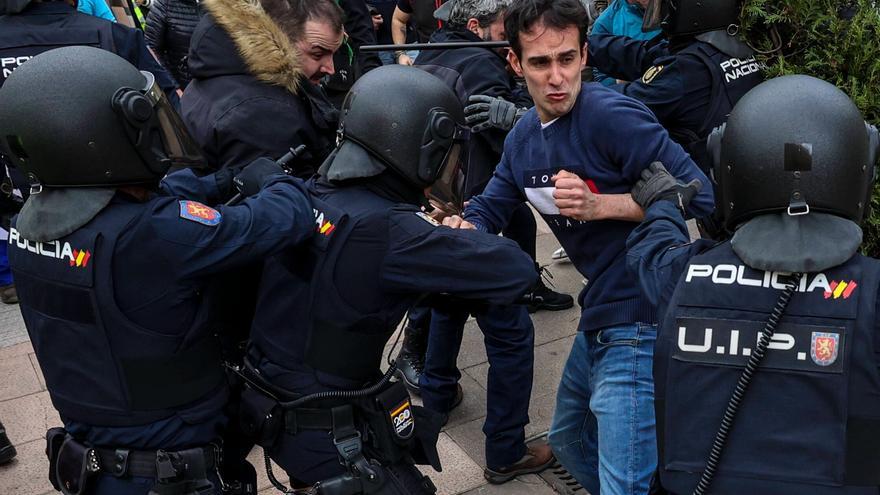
[
  {"x": 114, "y": 270},
  {"x": 766, "y": 376},
  {"x": 326, "y": 310},
  {"x": 28, "y": 28},
  {"x": 693, "y": 78}
]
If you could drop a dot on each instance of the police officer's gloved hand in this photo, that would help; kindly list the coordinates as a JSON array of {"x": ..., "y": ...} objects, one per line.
[
  {"x": 657, "y": 184},
  {"x": 223, "y": 179},
  {"x": 251, "y": 179},
  {"x": 484, "y": 112}
]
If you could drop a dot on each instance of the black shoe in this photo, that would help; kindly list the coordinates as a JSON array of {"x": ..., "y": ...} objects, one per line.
[
  {"x": 411, "y": 359},
  {"x": 543, "y": 297},
  {"x": 409, "y": 369},
  {"x": 7, "y": 451}
]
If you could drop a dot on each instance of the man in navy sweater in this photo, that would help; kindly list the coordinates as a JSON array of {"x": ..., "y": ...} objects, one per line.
[{"x": 567, "y": 158}]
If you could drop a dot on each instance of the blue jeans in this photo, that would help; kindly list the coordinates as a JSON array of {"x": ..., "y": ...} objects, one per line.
[
  {"x": 603, "y": 429},
  {"x": 5, "y": 272}
]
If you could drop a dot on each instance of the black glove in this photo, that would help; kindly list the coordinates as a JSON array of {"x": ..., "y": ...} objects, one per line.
[
  {"x": 657, "y": 184},
  {"x": 225, "y": 186},
  {"x": 251, "y": 179},
  {"x": 484, "y": 112}
]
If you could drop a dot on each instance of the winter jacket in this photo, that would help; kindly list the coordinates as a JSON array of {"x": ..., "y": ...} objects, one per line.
[
  {"x": 170, "y": 24},
  {"x": 248, "y": 96}
]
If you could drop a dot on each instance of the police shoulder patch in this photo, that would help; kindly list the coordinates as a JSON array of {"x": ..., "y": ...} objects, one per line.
[
  {"x": 199, "y": 213},
  {"x": 424, "y": 216},
  {"x": 651, "y": 73}
]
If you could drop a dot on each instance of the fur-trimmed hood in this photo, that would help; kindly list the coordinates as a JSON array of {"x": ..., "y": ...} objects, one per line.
[{"x": 239, "y": 37}]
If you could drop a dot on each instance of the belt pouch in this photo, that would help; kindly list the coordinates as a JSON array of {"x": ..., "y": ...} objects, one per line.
[
  {"x": 424, "y": 449},
  {"x": 261, "y": 417},
  {"x": 395, "y": 404},
  {"x": 54, "y": 439},
  {"x": 76, "y": 463}
]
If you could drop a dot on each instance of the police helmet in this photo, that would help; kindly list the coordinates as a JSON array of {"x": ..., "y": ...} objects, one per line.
[
  {"x": 794, "y": 165},
  {"x": 407, "y": 120},
  {"x": 794, "y": 144},
  {"x": 690, "y": 17},
  {"x": 84, "y": 117}
]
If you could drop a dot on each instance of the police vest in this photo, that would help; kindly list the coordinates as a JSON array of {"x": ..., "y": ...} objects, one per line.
[
  {"x": 313, "y": 323},
  {"x": 810, "y": 421},
  {"x": 731, "y": 79},
  {"x": 20, "y": 44},
  {"x": 100, "y": 367}
]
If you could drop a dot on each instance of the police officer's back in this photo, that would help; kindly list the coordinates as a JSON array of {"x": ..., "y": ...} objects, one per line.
[
  {"x": 323, "y": 327},
  {"x": 693, "y": 78},
  {"x": 114, "y": 274},
  {"x": 766, "y": 364},
  {"x": 28, "y": 28}
]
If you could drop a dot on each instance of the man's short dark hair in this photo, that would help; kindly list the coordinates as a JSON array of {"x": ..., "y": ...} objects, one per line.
[
  {"x": 292, "y": 15},
  {"x": 522, "y": 15}
]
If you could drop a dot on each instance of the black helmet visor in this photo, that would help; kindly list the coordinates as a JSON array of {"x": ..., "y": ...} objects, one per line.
[
  {"x": 180, "y": 148},
  {"x": 447, "y": 192}
]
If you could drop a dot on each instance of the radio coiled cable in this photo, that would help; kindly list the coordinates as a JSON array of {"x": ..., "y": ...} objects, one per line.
[{"x": 742, "y": 385}]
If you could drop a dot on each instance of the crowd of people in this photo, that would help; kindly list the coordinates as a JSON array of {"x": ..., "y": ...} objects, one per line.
[{"x": 302, "y": 198}]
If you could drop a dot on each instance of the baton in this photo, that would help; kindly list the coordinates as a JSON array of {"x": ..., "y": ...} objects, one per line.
[
  {"x": 434, "y": 46},
  {"x": 281, "y": 162}
]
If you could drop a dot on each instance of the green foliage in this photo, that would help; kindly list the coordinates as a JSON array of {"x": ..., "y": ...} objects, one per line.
[{"x": 838, "y": 41}]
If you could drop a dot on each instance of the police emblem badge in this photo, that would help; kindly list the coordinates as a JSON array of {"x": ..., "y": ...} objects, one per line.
[
  {"x": 402, "y": 420},
  {"x": 824, "y": 348},
  {"x": 651, "y": 73},
  {"x": 199, "y": 213}
]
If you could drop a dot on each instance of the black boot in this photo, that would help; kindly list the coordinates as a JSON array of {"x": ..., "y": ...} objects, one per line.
[
  {"x": 7, "y": 451},
  {"x": 411, "y": 359},
  {"x": 543, "y": 297}
]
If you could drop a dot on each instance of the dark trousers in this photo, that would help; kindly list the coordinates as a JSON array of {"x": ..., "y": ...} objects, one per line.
[
  {"x": 419, "y": 316},
  {"x": 509, "y": 338}
]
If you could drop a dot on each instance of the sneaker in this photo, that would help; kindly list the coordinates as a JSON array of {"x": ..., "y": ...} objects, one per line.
[
  {"x": 543, "y": 297},
  {"x": 7, "y": 451},
  {"x": 559, "y": 254},
  {"x": 8, "y": 294},
  {"x": 537, "y": 459}
]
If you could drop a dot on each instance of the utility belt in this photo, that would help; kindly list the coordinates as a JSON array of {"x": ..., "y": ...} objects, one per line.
[
  {"x": 72, "y": 464},
  {"x": 371, "y": 428}
]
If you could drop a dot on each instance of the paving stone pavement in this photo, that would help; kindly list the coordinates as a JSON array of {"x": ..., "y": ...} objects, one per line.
[{"x": 26, "y": 411}]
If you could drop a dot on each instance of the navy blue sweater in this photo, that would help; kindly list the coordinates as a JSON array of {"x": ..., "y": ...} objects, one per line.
[{"x": 607, "y": 139}]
